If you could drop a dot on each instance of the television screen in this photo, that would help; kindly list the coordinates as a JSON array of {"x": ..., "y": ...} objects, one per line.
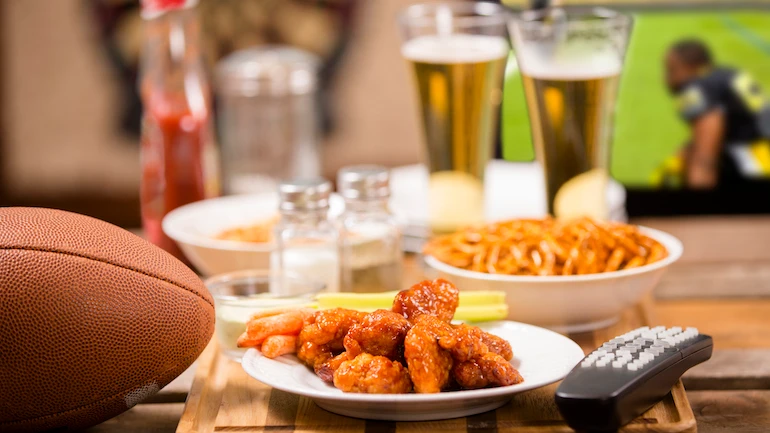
[{"x": 659, "y": 111}]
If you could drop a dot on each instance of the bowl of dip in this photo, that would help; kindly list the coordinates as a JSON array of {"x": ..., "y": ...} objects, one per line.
[{"x": 238, "y": 295}]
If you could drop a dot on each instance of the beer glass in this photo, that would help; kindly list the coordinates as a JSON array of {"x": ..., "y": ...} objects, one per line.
[
  {"x": 458, "y": 53},
  {"x": 570, "y": 61}
]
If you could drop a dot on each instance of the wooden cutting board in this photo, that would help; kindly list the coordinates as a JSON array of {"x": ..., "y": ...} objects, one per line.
[{"x": 223, "y": 398}]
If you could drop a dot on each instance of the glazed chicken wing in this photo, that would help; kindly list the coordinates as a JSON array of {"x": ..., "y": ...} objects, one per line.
[
  {"x": 373, "y": 375},
  {"x": 486, "y": 370},
  {"x": 497, "y": 345},
  {"x": 470, "y": 343},
  {"x": 380, "y": 333},
  {"x": 438, "y": 298},
  {"x": 323, "y": 333},
  {"x": 312, "y": 354},
  {"x": 426, "y": 351},
  {"x": 325, "y": 370}
]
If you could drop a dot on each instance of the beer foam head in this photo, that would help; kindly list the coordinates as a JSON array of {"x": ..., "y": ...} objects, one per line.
[
  {"x": 574, "y": 60},
  {"x": 586, "y": 67},
  {"x": 455, "y": 48}
]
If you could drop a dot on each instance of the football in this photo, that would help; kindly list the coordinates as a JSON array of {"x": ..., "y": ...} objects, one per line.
[{"x": 93, "y": 319}]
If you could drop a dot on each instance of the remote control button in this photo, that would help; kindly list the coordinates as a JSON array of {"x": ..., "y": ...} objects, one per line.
[
  {"x": 586, "y": 363},
  {"x": 658, "y": 328},
  {"x": 619, "y": 363},
  {"x": 649, "y": 334},
  {"x": 602, "y": 363},
  {"x": 623, "y": 352},
  {"x": 618, "y": 340},
  {"x": 630, "y": 349},
  {"x": 632, "y": 366},
  {"x": 676, "y": 329},
  {"x": 646, "y": 356},
  {"x": 693, "y": 330}
]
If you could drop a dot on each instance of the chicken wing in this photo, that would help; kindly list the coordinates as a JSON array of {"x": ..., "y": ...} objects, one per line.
[
  {"x": 325, "y": 370},
  {"x": 380, "y": 333},
  {"x": 373, "y": 375},
  {"x": 497, "y": 345},
  {"x": 438, "y": 297},
  {"x": 470, "y": 343},
  {"x": 486, "y": 370},
  {"x": 323, "y": 334},
  {"x": 311, "y": 353},
  {"x": 426, "y": 351}
]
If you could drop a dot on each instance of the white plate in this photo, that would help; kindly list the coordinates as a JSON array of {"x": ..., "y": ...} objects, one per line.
[{"x": 541, "y": 356}]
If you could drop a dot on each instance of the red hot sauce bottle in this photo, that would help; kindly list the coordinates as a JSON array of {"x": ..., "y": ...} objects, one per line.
[{"x": 177, "y": 149}]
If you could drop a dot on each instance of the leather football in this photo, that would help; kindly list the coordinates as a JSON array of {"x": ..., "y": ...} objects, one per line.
[{"x": 93, "y": 319}]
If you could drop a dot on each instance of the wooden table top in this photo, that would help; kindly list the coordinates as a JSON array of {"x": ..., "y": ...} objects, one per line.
[{"x": 721, "y": 285}]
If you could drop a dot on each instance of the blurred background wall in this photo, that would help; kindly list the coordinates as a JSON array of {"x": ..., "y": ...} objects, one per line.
[
  {"x": 69, "y": 113},
  {"x": 63, "y": 142}
]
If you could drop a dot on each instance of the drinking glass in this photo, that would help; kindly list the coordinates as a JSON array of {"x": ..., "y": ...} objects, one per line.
[
  {"x": 570, "y": 62},
  {"x": 458, "y": 53}
]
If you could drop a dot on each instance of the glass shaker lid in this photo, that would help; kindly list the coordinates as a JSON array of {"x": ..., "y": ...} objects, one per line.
[
  {"x": 270, "y": 70},
  {"x": 364, "y": 182},
  {"x": 304, "y": 194}
]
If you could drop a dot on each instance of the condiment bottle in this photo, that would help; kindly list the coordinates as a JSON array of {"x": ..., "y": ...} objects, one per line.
[
  {"x": 177, "y": 153},
  {"x": 370, "y": 238},
  {"x": 307, "y": 242}
]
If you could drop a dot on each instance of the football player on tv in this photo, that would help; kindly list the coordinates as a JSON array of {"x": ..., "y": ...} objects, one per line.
[{"x": 728, "y": 115}]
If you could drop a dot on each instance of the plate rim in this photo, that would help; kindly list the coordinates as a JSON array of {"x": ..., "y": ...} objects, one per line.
[{"x": 427, "y": 398}]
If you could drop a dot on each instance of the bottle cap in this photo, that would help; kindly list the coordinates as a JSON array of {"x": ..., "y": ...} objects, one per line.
[
  {"x": 154, "y": 8},
  {"x": 364, "y": 182},
  {"x": 270, "y": 70},
  {"x": 304, "y": 194}
]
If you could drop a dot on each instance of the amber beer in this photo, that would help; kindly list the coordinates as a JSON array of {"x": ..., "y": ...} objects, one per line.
[
  {"x": 570, "y": 61},
  {"x": 459, "y": 80},
  {"x": 571, "y": 117}
]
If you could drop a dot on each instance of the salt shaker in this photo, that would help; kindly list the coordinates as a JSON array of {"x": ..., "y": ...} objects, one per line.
[
  {"x": 307, "y": 242},
  {"x": 370, "y": 238}
]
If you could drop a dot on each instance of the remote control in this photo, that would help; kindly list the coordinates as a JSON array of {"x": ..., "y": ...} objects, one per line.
[{"x": 627, "y": 375}]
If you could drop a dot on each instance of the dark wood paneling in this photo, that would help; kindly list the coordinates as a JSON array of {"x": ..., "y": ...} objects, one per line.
[
  {"x": 121, "y": 211},
  {"x": 2, "y": 101}
]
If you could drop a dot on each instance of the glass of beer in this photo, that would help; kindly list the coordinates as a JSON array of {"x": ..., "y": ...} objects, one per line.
[
  {"x": 570, "y": 61},
  {"x": 458, "y": 52}
]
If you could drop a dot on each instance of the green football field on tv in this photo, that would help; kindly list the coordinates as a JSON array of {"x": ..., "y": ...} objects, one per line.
[{"x": 647, "y": 128}]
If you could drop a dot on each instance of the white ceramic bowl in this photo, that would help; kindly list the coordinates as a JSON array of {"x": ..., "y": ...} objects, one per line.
[
  {"x": 195, "y": 226},
  {"x": 573, "y": 303}
]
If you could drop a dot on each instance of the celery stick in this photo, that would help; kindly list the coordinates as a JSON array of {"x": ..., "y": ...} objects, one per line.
[
  {"x": 482, "y": 313},
  {"x": 356, "y": 301},
  {"x": 385, "y": 299}
]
